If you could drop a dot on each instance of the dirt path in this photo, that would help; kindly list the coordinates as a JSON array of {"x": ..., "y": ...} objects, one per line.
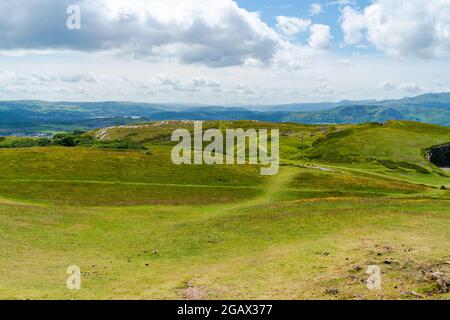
[
  {"x": 132, "y": 183},
  {"x": 278, "y": 184},
  {"x": 271, "y": 191}
]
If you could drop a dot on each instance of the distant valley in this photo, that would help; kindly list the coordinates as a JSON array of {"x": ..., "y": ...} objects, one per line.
[{"x": 45, "y": 118}]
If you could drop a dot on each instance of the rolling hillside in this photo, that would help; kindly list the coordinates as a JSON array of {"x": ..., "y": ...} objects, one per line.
[
  {"x": 139, "y": 227},
  {"x": 350, "y": 114},
  {"x": 47, "y": 118}
]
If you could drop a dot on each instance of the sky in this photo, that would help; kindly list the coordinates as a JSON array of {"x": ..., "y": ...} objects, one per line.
[{"x": 223, "y": 52}]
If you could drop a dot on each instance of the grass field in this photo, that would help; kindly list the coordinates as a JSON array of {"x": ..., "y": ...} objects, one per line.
[{"x": 139, "y": 227}]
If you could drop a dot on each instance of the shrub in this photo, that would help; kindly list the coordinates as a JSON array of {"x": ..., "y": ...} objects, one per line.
[
  {"x": 78, "y": 132},
  {"x": 85, "y": 141},
  {"x": 23, "y": 143},
  {"x": 393, "y": 165},
  {"x": 119, "y": 144},
  {"x": 64, "y": 140},
  {"x": 44, "y": 142}
]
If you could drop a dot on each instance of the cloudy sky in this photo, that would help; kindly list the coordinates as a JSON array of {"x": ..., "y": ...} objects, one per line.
[{"x": 224, "y": 52}]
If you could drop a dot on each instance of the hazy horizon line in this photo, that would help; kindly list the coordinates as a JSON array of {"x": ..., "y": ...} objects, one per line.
[{"x": 217, "y": 105}]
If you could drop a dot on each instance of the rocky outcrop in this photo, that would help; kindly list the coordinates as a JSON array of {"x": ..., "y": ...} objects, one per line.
[{"x": 439, "y": 155}]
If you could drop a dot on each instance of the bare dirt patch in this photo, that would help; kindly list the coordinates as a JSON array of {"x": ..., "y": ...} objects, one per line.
[{"x": 192, "y": 292}]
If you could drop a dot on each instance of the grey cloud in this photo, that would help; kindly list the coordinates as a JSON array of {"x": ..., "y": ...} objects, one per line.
[
  {"x": 388, "y": 85},
  {"x": 168, "y": 83},
  {"x": 411, "y": 87},
  {"x": 35, "y": 77},
  {"x": 75, "y": 78},
  {"x": 215, "y": 33}
]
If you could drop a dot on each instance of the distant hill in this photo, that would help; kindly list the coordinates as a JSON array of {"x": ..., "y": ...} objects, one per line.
[
  {"x": 350, "y": 114},
  {"x": 424, "y": 100},
  {"x": 42, "y": 117},
  {"x": 296, "y": 107}
]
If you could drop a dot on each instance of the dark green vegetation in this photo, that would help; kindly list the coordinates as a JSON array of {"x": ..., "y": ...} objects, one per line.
[
  {"x": 346, "y": 197},
  {"x": 47, "y": 118},
  {"x": 75, "y": 139}
]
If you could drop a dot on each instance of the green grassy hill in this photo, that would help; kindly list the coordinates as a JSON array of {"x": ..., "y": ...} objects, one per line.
[
  {"x": 349, "y": 114},
  {"x": 346, "y": 197},
  {"x": 398, "y": 146},
  {"x": 395, "y": 140}
]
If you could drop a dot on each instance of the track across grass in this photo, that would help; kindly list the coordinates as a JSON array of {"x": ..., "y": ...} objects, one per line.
[{"x": 142, "y": 228}]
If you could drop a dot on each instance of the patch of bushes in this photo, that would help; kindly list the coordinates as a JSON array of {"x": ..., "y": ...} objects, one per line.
[
  {"x": 336, "y": 157},
  {"x": 160, "y": 138},
  {"x": 74, "y": 139},
  {"x": 44, "y": 142},
  {"x": 64, "y": 140},
  {"x": 23, "y": 143},
  {"x": 118, "y": 144},
  {"x": 18, "y": 143},
  {"x": 394, "y": 165},
  {"x": 77, "y": 138},
  {"x": 80, "y": 138}
]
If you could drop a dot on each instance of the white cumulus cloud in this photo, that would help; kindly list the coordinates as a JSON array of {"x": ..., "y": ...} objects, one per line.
[
  {"x": 290, "y": 26},
  {"x": 401, "y": 27},
  {"x": 353, "y": 25},
  {"x": 315, "y": 9},
  {"x": 320, "y": 37}
]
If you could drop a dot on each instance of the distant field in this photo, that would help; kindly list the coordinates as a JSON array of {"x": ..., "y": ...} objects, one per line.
[{"x": 140, "y": 227}]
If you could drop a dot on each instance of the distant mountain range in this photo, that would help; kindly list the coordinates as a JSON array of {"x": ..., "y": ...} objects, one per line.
[{"x": 43, "y": 117}]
